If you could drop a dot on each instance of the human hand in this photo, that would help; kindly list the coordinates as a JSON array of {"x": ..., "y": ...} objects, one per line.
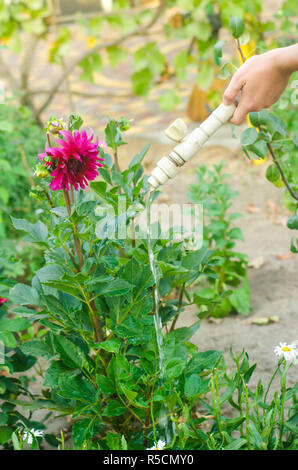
[{"x": 261, "y": 79}]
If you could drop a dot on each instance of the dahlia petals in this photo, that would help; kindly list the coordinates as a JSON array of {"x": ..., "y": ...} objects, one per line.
[{"x": 75, "y": 161}]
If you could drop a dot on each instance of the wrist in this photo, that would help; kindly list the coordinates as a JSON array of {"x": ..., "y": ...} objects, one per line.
[{"x": 286, "y": 58}]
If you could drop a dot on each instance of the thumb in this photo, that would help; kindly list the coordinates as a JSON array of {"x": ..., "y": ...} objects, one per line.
[{"x": 232, "y": 90}]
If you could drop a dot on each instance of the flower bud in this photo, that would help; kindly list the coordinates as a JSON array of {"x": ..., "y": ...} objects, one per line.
[
  {"x": 54, "y": 126},
  {"x": 41, "y": 171}
]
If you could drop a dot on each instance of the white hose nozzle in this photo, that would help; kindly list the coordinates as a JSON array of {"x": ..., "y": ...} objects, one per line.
[{"x": 189, "y": 144}]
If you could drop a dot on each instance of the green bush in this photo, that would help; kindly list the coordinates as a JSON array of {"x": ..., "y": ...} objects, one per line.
[{"x": 227, "y": 287}]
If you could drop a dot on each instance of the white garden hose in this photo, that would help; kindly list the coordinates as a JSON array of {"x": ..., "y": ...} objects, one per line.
[{"x": 189, "y": 144}]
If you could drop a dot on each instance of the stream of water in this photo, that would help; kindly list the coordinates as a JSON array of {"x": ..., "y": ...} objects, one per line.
[
  {"x": 165, "y": 426},
  {"x": 157, "y": 318}
]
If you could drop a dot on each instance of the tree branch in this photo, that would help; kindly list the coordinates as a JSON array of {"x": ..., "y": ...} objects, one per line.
[
  {"x": 25, "y": 69},
  {"x": 5, "y": 72},
  {"x": 283, "y": 177},
  {"x": 83, "y": 94}
]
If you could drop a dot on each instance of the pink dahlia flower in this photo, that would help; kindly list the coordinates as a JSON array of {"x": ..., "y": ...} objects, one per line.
[
  {"x": 2, "y": 301},
  {"x": 75, "y": 162}
]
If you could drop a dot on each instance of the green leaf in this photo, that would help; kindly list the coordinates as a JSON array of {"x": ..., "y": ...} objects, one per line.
[
  {"x": 6, "y": 126},
  {"x": 255, "y": 437},
  {"x": 36, "y": 26},
  {"x": 205, "y": 76},
  {"x": 142, "y": 81},
  {"x": 5, "y": 434},
  {"x": 272, "y": 173},
  {"x": 149, "y": 57},
  {"x": 218, "y": 48},
  {"x": 174, "y": 367},
  {"x": 15, "y": 442},
  {"x": 114, "y": 408},
  {"x": 192, "y": 385},
  {"x": 37, "y": 348},
  {"x": 105, "y": 384},
  {"x": 56, "y": 370},
  {"x": 203, "y": 30},
  {"x": 38, "y": 233},
  {"x": 292, "y": 222},
  {"x": 203, "y": 360},
  {"x": 20, "y": 362},
  {"x": 236, "y": 444},
  {"x": 235, "y": 234},
  {"x": 116, "y": 55},
  {"x": 169, "y": 100},
  {"x": 240, "y": 299},
  {"x": 225, "y": 71},
  {"x": 183, "y": 334},
  {"x": 81, "y": 431},
  {"x": 259, "y": 118},
  {"x": 8, "y": 339},
  {"x": 114, "y": 288},
  {"x": 100, "y": 188},
  {"x": 259, "y": 148},
  {"x": 137, "y": 159},
  {"x": 75, "y": 122},
  {"x": 111, "y": 345},
  {"x": 237, "y": 27},
  {"x": 180, "y": 64},
  {"x": 78, "y": 388},
  {"x": 24, "y": 295},
  {"x": 113, "y": 441},
  {"x": 249, "y": 136},
  {"x": 69, "y": 353},
  {"x": 15, "y": 324}
]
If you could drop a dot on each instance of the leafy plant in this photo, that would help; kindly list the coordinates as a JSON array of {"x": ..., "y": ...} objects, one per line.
[
  {"x": 227, "y": 285},
  {"x": 92, "y": 305},
  {"x": 20, "y": 139}
]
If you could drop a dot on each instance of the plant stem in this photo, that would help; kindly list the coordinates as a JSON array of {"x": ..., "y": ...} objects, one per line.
[
  {"x": 26, "y": 166},
  {"x": 247, "y": 416},
  {"x": 240, "y": 51},
  {"x": 49, "y": 199},
  {"x": 71, "y": 194},
  {"x": 75, "y": 238},
  {"x": 282, "y": 405},
  {"x": 179, "y": 307},
  {"x": 214, "y": 393},
  {"x": 269, "y": 385},
  {"x": 93, "y": 316},
  {"x": 239, "y": 391},
  {"x": 116, "y": 161},
  {"x": 287, "y": 184}
]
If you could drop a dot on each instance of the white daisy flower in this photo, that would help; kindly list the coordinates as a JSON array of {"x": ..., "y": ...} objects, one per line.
[
  {"x": 28, "y": 435},
  {"x": 159, "y": 445},
  {"x": 288, "y": 351}
]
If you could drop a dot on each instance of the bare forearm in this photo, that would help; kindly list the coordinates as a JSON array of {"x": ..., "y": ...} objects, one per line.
[{"x": 287, "y": 58}]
